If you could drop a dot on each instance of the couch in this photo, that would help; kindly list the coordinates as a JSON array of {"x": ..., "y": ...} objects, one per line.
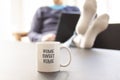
[{"x": 110, "y": 38}]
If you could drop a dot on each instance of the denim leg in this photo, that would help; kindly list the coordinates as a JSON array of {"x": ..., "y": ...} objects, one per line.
[{"x": 69, "y": 42}]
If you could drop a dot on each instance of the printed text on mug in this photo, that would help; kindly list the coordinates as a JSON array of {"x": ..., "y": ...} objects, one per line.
[{"x": 48, "y": 56}]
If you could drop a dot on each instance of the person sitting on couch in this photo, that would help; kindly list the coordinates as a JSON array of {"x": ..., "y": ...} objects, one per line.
[
  {"x": 44, "y": 25},
  {"x": 87, "y": 29}
]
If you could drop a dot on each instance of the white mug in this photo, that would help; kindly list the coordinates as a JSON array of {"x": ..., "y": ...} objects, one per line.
[{"x": 48, "y": 54}]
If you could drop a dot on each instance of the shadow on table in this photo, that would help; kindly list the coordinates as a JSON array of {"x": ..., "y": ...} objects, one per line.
[{"x": 60, "y": 75}]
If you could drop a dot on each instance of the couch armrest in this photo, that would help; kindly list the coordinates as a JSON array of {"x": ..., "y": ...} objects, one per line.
[{"x": 19, "y": 35}]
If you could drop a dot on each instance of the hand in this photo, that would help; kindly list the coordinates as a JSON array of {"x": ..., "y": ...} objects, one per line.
[{"x": 49, "y": 37}]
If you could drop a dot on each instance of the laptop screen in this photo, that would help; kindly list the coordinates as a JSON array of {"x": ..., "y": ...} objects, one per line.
[{"x": 66, "y": 26}]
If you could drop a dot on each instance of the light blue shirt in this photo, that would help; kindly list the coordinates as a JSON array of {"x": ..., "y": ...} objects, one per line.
[{"x": 58, "y": 7}]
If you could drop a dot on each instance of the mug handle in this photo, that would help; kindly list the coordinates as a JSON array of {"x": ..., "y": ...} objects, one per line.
[{"x": 69, "y": 52}]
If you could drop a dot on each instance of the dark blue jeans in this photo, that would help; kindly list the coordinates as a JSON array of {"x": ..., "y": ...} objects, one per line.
[{"x": 70, "y": 42}]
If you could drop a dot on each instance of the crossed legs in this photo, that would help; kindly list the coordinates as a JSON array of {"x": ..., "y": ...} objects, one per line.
[{"x": 88, "y": 26}]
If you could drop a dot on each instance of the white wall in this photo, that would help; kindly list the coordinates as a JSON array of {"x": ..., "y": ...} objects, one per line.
[
  {"x": 4, "y": 19},
  {"x": 114, "y": 11},
  {"x": 17, "y": 15}
]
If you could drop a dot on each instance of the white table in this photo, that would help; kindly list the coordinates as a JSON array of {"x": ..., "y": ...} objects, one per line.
[{"x": 18, "y": 62}]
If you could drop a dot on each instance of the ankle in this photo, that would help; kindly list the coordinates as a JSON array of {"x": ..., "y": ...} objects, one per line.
[{"x": 76, "y": 40}]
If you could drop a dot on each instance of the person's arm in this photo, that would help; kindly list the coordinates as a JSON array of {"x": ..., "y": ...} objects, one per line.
[{"x": 35, "y": 32}]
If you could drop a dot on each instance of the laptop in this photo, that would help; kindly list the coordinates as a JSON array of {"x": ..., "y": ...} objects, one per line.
[{"x": 66, "y": 26}]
